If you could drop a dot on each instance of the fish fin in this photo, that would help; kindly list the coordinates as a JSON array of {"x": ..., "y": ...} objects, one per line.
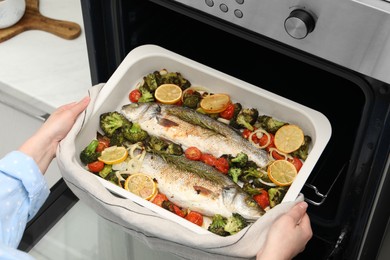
[
  {"x": 166, "y": 122},
  {"x": 202, "y": 190}
]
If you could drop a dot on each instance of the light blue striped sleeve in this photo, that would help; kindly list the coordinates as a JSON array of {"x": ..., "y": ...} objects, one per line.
[{"x": 23, "y": 190}]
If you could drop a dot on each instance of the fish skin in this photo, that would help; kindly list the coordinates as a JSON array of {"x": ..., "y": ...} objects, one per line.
[
  {"x": 157, "y": 119},
  {"x": 217, "y": 194}
]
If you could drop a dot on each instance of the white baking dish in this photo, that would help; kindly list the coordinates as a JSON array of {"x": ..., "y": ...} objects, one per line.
[{"x": 148, "y": 58}]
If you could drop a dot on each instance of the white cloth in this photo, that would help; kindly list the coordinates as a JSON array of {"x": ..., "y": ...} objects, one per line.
[{"x": 157, "y": 232}]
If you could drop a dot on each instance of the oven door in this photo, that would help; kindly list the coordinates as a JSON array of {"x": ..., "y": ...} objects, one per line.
[{"x": 348, "y": 187}]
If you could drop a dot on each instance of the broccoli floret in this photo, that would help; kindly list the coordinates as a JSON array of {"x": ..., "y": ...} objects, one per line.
[
  {"x": 156, "y": 144},
  {"x": 240, "y": 160},
  {"x": 157, "y": 78},
  {"x": 174, "y": 149},
  {"x": 269, "y": 124},
  {"x": 174, "y": 78},
  {"x": 117, "y": 138},
  {"x": 217, "y": 225},
  {"x": 276, "y": 195},
  {"x": 146, "y": 96},
  {"x": 105, "y": 171},
  {"x": 150, "y": 82},
  {"x": 111, "y": 121},
  {"x": 135, "y": 133},
  {"x": 248, "y": 188},
  {"x": 234, "y": 173},
  {"x": 111, "y": 177},
  {"x": 303, "y": 151},
  {"x": 237, "y": 110},
  {"x": 247, "y": 117},
  {"x": 191, "y": 99},
  {"x": 235, "y": 223},
  {"x": 89, "y": 153},
  {"x": 251, "y": 173}
]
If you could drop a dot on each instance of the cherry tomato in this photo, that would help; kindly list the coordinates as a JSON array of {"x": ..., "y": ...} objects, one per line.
[
  {"x": 179, "y": 103},
  {"x": 104, "y": 142},
  {"x": 193, "y": 153},
  {"x": 222, "y": 165},
  {"x": 168, "y": 205},
  {"x": 134, "y": 95},
  {"x": 297, "y": 163},
  {"x": 96, "y": 166},
  {"x": 228, "y": 112},
  {"x": 264, "y": 139},
  {"x": 246, "y": 133},
  {"x": 277, "y": 156},
  {"x": 208, "y": 159},
  {"x": 195, "y": 217},
  {"x": 262, "y": 199},
  {"x": 159, "y": 199}
]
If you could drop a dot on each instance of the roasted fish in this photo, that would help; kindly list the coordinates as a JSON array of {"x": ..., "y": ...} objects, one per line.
[
  {"x": 189, "y": 128},
  {"x": 198, "y": 186}
]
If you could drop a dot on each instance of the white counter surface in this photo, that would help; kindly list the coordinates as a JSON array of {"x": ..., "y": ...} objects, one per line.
[{"x": 43, "y": 69}]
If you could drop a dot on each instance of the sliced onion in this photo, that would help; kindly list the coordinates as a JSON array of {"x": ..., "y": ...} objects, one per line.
[
  {"x": 120, "y": 166},
  {"x": 163, "y": 72},
  {"x": 223, "y": 120},
  {"x": 270, "y": 184},
  {"x": 286, "y": 156}
]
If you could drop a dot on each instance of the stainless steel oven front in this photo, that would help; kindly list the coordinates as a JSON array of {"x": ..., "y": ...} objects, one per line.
[{"x": 332, "y": 56}]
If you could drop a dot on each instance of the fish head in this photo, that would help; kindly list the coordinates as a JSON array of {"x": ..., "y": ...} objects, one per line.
[
  {"x": 135, "y": 111},
  {"x": 240, "y": 202}
]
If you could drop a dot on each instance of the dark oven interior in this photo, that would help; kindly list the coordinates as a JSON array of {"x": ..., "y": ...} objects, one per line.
[{"x": 345, "y": 98}]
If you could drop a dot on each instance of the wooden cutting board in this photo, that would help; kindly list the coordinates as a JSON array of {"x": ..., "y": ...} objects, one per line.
[{"x": 34, "y": 20}]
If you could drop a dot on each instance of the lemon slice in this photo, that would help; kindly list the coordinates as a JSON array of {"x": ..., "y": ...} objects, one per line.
[
  {"x": 168, "y": 93},
  {"x": 141, "y": 185},
  {"x": 215, "y": 103},
  {"x": 113, "y": 155},
  {"x": 288, "y": 138},
  {"x": 282, "y": 172}
]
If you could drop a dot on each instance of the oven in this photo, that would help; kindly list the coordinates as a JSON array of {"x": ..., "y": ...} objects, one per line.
[{"x": 332, "y": 56}]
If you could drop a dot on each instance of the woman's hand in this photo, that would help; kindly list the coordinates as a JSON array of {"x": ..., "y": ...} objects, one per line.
[
  {"x": 288, "y": 235},
  {"x": 43, "y": 144}
]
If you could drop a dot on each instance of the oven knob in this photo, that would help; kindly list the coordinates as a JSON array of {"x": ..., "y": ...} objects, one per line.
[{"x": 299, "y": 23}]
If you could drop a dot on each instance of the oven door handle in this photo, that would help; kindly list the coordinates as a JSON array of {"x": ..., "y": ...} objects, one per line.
[{"x": 318, "y": 193}]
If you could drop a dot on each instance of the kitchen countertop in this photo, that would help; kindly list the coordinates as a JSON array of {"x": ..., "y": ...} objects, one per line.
[{"x": 42, "y": 69}]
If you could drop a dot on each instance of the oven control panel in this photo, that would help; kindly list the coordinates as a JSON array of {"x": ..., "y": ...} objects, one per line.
[{"x": 351, "y": 33}]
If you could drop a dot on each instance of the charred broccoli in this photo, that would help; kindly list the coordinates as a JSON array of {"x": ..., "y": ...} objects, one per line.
[
  {"x": 276, "y": 195},
  {"x": 159, "y": 145},
  {"x": 245, "y": 119},
  {"x": 174, "y": 149},
  {"x": 117, "y": 137},
  {"x": 251, "y": 173},
  {"x": 240, "y": 160},
  {"x": 156, "y": 144},
  {"x": 135, "y": 133},
  {"x": 89, "y": 153},
  {"x": 111, "y": 121},
  {"x": 235, "y": 223},
  {"x": 218, "y": 224},
  {"x": 146, "y": 95},
  {"x": 174, "y": 78},
  {"x": 269, "y": 124},
  {"x": 191, "y": 99},
  {"x": 153, "y": 80},
  {"x": 223, "y": 226},
  {"x": 303, "y": 151},
  {"x": 234, "y": 173}
]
